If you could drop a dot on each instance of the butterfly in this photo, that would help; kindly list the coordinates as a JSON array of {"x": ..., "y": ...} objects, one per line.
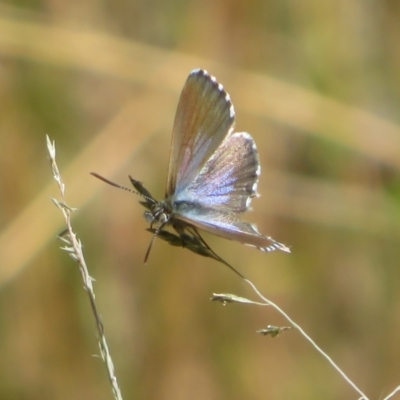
[{"x": 212, "y": 175}]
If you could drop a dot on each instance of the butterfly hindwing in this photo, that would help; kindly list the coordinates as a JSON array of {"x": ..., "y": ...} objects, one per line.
[{"x": 228, "y": 226}]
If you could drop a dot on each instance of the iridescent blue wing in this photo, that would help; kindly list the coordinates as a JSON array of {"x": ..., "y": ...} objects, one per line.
[
  {"x": 213, "y": 172},
  {"x": 228, "y": 226},
  {"x": 204, "y": 116},
  {"x": 228, "y": 180},
  {"x": 222, "y": 190}
]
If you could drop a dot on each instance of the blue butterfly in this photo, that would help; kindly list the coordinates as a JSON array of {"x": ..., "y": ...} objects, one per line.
[{"x": 213, "y": 172}]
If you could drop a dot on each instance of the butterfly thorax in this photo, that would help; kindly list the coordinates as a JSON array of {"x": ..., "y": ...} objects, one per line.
[
  {"x": 166, "y": 212},
  {"x": 173, "y": 207}
]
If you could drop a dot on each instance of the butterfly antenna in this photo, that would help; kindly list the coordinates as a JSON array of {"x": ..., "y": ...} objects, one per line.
[{"x": 121, "y": 187}]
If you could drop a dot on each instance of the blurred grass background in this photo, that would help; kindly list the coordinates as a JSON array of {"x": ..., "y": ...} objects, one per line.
[{"x": 317, "y": 84}]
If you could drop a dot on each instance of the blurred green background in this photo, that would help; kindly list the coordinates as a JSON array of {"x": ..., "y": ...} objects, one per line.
[{"x": 316, "y": 83}]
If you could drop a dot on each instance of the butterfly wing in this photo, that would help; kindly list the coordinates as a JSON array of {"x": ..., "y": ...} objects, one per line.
[
  {"x": 204, "y": 116},
  {"x": 213, "y": 173},
  {"x": 228, "y": 226},
  {"x": 221, "y": 191},
  {"x": 228, "y": 179}
]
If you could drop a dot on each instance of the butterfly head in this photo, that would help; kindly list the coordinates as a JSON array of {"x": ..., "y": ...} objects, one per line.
[{"x": 159, "y": 212}]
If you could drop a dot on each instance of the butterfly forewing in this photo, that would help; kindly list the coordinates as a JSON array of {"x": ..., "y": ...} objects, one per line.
[{"x": 204, "y": 117}]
